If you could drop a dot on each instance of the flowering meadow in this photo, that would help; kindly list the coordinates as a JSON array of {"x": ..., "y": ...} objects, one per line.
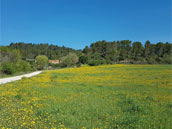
[{"x": 101, "y": 97}]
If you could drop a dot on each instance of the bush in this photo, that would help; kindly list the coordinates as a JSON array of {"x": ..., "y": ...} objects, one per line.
[
  {"x": 96, "y": 62},
  {"x": 83, "y": 59},
  {"x": 158, "y": 60},
  {"x": 24, "y": 66},
  {"x": 70, "y": 60},
  {"x": 11, "y": 67},
  {"x": 78, "y": 64},
  {"x": 8, "y": 68},
  {"x": 151, "y": 60},
  {"x": 167, "y": 59},
  {"x": 108, "y": 61},
  {"x": 54, "y": 65}
]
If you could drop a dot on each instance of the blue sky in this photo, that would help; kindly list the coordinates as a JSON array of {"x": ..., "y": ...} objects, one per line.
[{"x": 77, "y": 23}]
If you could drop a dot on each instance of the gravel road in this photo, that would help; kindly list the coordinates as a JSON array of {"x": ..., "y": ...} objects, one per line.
[{"x": 11, "y": 79}]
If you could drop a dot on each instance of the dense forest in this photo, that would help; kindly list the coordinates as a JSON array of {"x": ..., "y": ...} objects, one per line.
[
  {"x": 128, "y": 52},
  {"x": 16, "y": 57},
  {"x": 29, "y": 50}
]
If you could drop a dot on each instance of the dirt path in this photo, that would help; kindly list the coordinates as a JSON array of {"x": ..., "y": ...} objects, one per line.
[{"x": 11, "y": 79}]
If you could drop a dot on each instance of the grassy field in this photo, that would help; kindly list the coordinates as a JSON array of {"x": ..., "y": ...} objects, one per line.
[{"x": 111, "y": 96}]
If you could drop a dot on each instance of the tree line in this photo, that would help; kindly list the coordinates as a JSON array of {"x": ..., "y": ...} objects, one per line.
[
  {"x": 30, "y": 50},
  {"x": 14, "y": 57},
  {"x": 103, "y": 52}
]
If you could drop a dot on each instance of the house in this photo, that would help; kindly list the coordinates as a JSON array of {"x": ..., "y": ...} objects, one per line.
[
  {"x": 54, "y": 61},
  {"x": 125, "y": 61}
]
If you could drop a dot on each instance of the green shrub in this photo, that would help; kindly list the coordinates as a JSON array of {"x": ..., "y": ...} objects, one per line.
[
  {"x": 78, "y": 64},
  {"x": 96, "y": 62},
  {"x": 83, "y": 59},
  {"x": 151, "y": 60},
  {"x": 167, "y": 59},
  {"x": 24, "y": 66},
  {"x": 108, "y": 61},
  {"x": 54, "y": 65},
  {"x": 11, "y": 67},
  {"x": 8, "y": 68},
  {"x": 158, "y": 60},
  {"x": 70, "y": 60}
]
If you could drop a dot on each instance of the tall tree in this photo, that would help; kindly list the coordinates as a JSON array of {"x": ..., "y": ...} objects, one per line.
[
  {"x": 41, "y": 61},
  {"x": 147, "y": 48},
  {"x": 137, "y": 49}
]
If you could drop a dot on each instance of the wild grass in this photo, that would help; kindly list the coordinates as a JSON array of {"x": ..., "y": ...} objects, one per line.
[
  {"x": 109, "y": 96},
  {"x": 3, "y": 75}
]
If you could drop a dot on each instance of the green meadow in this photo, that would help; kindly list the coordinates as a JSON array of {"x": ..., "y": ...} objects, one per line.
[{"x": 100, "y": 97}]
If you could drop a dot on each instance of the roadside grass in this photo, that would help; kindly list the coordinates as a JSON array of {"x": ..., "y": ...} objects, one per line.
[
  {"x": 2, "y": 75},
  {"x": 108, "y": 96}
]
